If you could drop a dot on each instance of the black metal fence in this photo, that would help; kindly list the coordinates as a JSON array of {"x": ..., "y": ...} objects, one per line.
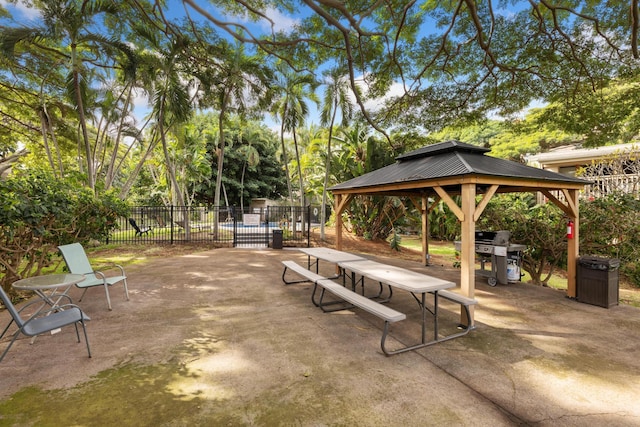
[{"x": 232, "y": 226}]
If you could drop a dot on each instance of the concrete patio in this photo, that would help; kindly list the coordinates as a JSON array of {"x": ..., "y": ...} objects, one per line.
[{"x": 215, "y": 338}]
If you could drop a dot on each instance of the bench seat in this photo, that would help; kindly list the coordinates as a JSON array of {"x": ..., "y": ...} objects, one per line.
[
  {"x": 345, "y": 295},
  {"x": 309, "y": 276},
  {"x": 354, "y": 299},
  {"x": 382, "y": 311},
  {"x": 455, "y": 297}
]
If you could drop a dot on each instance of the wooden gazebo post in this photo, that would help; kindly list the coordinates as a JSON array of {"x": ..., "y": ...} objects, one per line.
[
  {"x": 340, "y": 202},
  {"x": 570, "y": 206},
  {"x": 467, "y": 250},
  {"x": 422, "y": 205},
  {"x": 424, "y": 211},
  {"x": 338, "y": 210}
]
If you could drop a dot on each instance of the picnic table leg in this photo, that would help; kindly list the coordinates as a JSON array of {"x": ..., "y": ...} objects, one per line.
[
  {"x": 434, "y": 313},
  {"x": 435, "y": 316},
  {"x": 424, "y": 318},
  {"x": 309, "y": 263}
]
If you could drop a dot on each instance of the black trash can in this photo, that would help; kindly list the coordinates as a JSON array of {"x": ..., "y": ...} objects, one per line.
[
  {"x": 276, "y": 243},
  {"x": 598, "y": 281}
]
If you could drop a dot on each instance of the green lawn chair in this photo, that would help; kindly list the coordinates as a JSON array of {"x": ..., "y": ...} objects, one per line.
[{"x": 78, "y": 263}]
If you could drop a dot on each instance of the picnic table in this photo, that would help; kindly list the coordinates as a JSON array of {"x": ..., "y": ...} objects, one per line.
[
  {"x": 328, "y": 255},
  {"x": 407, "y": 280},
  {"x": 417, "y": 284}
]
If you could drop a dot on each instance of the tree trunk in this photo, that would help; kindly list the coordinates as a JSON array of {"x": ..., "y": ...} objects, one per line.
[
  {"x": 220, "y": 154},
  {"x": 285, "y": 158},
  {"x": 323, "y": 218},
  {"x": 111, "y": 170},
  {"x": 83, "y": 124}
]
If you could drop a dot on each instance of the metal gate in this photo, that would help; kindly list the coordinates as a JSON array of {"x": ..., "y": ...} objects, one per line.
[{"x": 254, "y": 227}]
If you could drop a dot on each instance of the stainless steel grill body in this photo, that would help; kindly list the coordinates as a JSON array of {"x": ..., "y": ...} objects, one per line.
[{"x": 500, "y": 261}]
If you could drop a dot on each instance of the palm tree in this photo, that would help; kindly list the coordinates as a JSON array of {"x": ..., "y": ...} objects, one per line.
[
  {"x": 351, "y": 159},
  {"x": 67, "y": 35},
  {"x": 235, "y": 80},
  {"x": 168, "y": 86},
  {"x": 336, "y": 97},
  {"x": 251, "y": 158},
  {"x": 291, "y": 108}
]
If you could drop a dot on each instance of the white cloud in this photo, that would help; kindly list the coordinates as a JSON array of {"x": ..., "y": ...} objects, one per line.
[
  {"x": 281, "y": 22},
  {"x": 20, "y": 10},
  {"x": 140, "y": 99},
  {"x": 374, "y": 104}
]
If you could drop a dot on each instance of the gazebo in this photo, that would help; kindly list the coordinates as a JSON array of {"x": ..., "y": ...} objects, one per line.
[{"x": 453, "y": 168}]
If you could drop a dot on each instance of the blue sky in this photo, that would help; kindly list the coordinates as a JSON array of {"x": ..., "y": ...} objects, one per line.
[{"x": 20, "y": 10}]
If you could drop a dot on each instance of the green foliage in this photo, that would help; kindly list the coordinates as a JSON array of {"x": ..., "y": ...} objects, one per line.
[
  {"x": 355, "y": 154},
  {"x": 509, "y": 139},
  {"x": 395, "y": 241},
  {"x": 251, "y": 167},
  {"x": 610, "y": 227},
  {"x": 541, "y": 227},
  {"x": 443, "y": 224},
  {"x": 375, "y": 217},
  {"x": 39, "y": 212},
  {"x": 604, "y": 117}
]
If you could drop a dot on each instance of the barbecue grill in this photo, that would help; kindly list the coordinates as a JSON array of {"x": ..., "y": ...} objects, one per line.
[{"x": 500, "y": 261}]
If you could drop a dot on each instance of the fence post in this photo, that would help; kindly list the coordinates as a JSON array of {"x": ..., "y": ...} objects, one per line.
[
  {"x": 171, "y": 221},
  {"x": 308, "y": 225},
  {"x": 235, "y": 227},
  {"x": 264, "y": 213}
]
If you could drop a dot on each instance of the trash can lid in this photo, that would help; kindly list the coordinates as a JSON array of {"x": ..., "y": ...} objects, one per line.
[{"x": 599, "y": 263}]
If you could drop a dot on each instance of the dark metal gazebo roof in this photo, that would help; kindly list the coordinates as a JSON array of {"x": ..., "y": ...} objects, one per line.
[{"x": 452, "y": 159}]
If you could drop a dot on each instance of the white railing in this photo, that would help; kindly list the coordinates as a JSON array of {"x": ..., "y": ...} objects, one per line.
[{"x": 607, "y": 184}]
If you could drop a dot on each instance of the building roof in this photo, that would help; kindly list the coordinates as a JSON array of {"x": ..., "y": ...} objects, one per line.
[
  {"x": 575, "y": 156},
  {"x": 448, "y": 162}
]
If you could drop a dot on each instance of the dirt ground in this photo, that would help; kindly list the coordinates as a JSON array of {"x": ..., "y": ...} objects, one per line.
[{"x": 213, "y": 337}]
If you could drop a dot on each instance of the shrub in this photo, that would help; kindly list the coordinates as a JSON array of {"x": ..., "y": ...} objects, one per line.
[
  {"x": 610, "y": 227},
  {"x": 38, "y": 212},
  {"x": 541, "y": 227}
]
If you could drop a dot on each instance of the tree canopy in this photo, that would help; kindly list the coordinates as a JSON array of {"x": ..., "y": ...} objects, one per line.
[
  {"x": 449, "y": 59},
  {"x": 73, "y": 75}
]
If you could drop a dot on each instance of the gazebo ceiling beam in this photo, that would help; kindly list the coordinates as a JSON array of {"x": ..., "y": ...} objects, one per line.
[{"x": 568, "y": 206}]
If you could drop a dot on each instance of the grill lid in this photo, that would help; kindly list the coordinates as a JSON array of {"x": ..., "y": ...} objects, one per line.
[{"x": 500, "y": 238}]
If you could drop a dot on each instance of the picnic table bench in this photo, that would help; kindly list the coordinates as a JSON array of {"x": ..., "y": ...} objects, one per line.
[
  {"x": 464, "y": 302},
  {"x": 309, "y": 276}
]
